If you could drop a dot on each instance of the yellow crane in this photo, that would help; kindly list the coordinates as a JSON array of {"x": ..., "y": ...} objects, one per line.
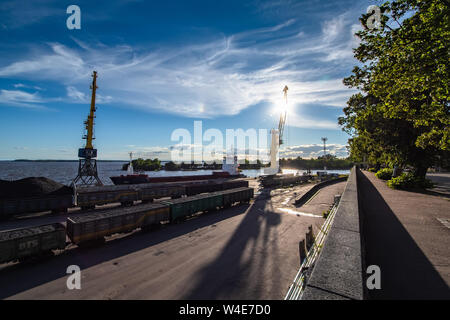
[
  {"x": 90, "y": 120},
  {"x": 87, "y": 168}
]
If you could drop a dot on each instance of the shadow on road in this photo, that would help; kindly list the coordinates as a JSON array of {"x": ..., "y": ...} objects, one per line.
[
  {"x": 238, "y": 270},
  {"x": 20, "y": 277},
  {"x": 406, "y": 273}
]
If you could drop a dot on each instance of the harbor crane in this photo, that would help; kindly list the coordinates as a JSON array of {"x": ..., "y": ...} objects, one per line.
[
  {"x": 87, "y": 167},
  {"x": 277, "y": 139}
]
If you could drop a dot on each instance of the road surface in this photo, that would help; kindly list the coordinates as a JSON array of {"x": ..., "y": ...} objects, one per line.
[{"x": 244, "y": 252}]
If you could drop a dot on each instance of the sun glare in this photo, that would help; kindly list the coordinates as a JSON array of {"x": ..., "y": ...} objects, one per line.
[{"x": 280, "y": 108}]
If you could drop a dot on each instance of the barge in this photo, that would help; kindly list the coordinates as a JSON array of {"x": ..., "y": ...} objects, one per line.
[{"x": 230, "y": 170}]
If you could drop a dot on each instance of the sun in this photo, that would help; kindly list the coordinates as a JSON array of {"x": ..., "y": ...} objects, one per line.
[{"x": 280, "y": 108}]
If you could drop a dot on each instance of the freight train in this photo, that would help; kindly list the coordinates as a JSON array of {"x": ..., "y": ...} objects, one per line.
[
  {"x": 283, "y": 180},
  {"x": 92, "y": 227},
  {"x": 89, "y": 197}
]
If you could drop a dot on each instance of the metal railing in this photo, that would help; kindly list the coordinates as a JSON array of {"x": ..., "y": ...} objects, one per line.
[{"x": 296, "y": 289}]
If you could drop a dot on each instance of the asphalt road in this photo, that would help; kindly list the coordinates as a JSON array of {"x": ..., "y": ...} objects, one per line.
[
  {"x": 442, "y": 181},
  {"x": 245, "y": 252}
]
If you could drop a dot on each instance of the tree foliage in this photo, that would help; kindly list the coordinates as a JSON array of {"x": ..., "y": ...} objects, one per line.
[
  {"x": 144, "y": 165},
  {"x": 330, "y": 161},
  {"x": 401, "y": 113}
]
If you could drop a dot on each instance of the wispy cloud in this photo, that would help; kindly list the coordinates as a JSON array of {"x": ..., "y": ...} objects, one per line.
[
  {"x": 221, "y": 77},
  {"x": 20, "y": 98},
  {"x": 21, "y": 85},
  {"x": 77, "y": 96},
  {"x": 308, "y": 151}
]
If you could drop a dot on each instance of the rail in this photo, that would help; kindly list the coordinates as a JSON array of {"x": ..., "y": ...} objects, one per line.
[{"x": 298, "y": 285}]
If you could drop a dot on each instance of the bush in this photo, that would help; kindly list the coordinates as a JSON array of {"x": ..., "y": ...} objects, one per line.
[
  {"x": 325, "y": 213},
  {"x": 408, "y": 181},
  {"x": 372, "y": 170},
  {"x": 171, "y": 166},
  {"x": 384, "y": 174}
]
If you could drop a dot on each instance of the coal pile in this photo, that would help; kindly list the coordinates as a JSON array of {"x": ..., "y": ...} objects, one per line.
[{"x": 32, "y": 187}]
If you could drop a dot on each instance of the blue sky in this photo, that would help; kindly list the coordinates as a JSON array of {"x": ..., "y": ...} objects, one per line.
[{"x": 163, "y": 64}]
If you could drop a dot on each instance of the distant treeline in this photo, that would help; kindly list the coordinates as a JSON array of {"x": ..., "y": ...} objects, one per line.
[
  {"x": 144, "y": 165},
  {"x": 247, "y": 165},
  {"x": 329, "y": 161},
  {"x": 155, "y": 165},
  {"x": 49, "y": 160}
]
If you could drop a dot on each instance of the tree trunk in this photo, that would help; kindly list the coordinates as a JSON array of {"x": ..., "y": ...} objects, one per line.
[{"x": 420, "y": 172}]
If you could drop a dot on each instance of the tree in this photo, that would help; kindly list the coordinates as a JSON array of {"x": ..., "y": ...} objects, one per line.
[
  {"x": 401, "y": 114},
  {"x": 171, "y": 166}
]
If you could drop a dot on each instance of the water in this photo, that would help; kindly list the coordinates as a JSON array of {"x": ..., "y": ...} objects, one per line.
[{"x": 65, "y": 172}]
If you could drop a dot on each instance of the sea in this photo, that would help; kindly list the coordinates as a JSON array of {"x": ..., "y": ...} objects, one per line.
[{"x": 65, "y": 172}]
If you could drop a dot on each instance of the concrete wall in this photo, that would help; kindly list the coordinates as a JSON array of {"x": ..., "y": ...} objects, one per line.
[
  {"x": 337, "y": 274},
  {"x": 316, "y": 188}
]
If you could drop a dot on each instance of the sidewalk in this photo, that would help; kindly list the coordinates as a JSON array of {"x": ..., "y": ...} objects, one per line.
[{"x": 404, "y": 233}]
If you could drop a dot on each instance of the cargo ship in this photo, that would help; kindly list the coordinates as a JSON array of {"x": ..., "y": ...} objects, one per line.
[{"x": 229, "y": 170}]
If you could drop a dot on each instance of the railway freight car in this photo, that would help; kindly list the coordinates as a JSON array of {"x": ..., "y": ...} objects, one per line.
[
  {"x": 54, "y": 203},
  {"x": 241, "y": 195},
  {"x": 148, "y": 191},
  {"x": 233, "y": 184},
  {"x": 27, "y": 242},
  {"x": 212, "y": 186},
  {"x": 207, "y": 186},
  {"x": 95, "y": 226},
  {"x": 283, "y": 180},
  {"x": 30, "y": 242},
  {"x": 181, "y": 208},
  {"x": 89, "y": 197}
]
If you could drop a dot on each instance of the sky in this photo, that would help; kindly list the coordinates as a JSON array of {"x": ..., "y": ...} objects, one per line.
[{"x": 164, "y": 64}]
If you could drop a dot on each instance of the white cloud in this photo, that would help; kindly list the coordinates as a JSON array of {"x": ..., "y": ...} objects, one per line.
[
  {"x": 21, "y": 85},
  {"x": 308, "y": 151},
  {"x": 20, "y": 98},
  {"x": 76, "y": 95},
  {"x": 221, "y": 77}
]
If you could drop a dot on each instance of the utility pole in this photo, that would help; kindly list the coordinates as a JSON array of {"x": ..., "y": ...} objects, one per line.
[{"x": 324, "y": 139}]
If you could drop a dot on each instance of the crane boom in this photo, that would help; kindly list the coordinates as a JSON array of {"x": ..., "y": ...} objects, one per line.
[
  {"x": 283, "y": 117},
  {"x": 277, "y": 140},
  {"x": 90, "y": 121},
  {"x": 87, "y": 168}
]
